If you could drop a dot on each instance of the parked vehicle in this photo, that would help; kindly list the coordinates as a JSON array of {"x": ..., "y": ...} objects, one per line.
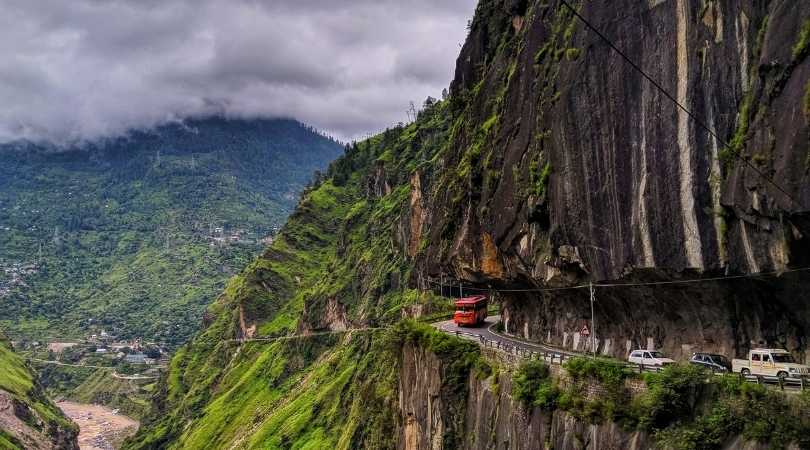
[
  {"x": 649, "y": 358},
  {"x": 471, "y": 311},
  {"x": 773, "y": 362},
  {"x": 711, "y": 361}
]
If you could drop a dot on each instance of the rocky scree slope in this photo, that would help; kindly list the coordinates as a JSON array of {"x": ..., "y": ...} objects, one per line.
[
  {"x": 28, "y": 419},
  {"x": 529, "y": 174}
]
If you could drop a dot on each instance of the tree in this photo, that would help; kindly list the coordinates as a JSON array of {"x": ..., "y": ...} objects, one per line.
[{"x": 152, "y": 352}]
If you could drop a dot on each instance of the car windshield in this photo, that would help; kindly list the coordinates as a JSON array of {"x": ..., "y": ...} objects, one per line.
[
  {"x": 783, "y": 358},
  {"x": 656, "y": 354},
  {"x": 719, "y": 359}
]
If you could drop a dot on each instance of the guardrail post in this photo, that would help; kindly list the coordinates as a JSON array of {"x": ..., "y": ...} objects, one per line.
[{"x": 781, "y": 383}]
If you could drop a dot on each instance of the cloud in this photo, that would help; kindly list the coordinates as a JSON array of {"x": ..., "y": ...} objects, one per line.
[{"x": 86, "y": 69}]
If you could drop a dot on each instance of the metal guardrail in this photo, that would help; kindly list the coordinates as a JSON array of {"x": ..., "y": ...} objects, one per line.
[
  {"x": 553, "y": 357},
  {"x": 800, "y": 383}
]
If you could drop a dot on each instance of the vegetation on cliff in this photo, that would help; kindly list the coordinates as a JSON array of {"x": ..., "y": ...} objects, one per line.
[
  {"x": 684, "y": 406},
  {"x": 335, "y": 264}
]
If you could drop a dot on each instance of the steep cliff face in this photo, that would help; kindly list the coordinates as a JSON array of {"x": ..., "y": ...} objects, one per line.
[
  {"x": 28, "y": 419},
  {"x": 488, "y": 417},
  {"x": 567, "y": 166},
  {"x": 480, "y": 411}
]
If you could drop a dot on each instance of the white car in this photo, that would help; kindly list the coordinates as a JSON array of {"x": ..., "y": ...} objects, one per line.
[
  {"x": 770, "y": 362},
  {"x": 649, "y": 358}
]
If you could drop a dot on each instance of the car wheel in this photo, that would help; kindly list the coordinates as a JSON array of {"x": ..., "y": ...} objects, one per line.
[
  {"x": 745, "y": 372},
  {"x": 782, "y": 376}
]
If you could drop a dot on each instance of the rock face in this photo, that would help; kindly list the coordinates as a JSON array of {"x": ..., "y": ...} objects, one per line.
[
  {"x": 488, "y": 418},
  {"x": 569, "y": 167},
  {"x": 434, "y": 416}
]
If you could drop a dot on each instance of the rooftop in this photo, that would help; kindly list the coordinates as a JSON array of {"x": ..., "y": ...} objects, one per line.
[{"x": 475, "y": 299}]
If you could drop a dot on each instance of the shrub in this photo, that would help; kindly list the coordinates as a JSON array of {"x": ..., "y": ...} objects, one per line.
[
  {"x": 671, "y": 395},
  {"x": 572, "y": 54},
  {"x": 608, "y": 372},
  {"x": 532, "y": 385}
]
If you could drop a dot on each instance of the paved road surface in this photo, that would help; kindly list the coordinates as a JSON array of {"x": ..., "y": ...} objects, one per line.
[
  {"x": 477, "y": 333},
  {"x": 484, "y": 331}
]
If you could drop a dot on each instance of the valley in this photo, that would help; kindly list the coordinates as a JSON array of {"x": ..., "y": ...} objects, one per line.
[{"x": 136, "y": 234}]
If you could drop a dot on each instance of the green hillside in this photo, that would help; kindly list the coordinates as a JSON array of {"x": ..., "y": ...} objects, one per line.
[
  {"x": 34, "y": 421},
  {"x": 135, "y": 235},
  {"x": 321, "y": 391}
]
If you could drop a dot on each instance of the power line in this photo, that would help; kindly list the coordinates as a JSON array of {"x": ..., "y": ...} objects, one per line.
[
  {"x": 674, "y": 100},
  {"x": 649, "y": 283}
]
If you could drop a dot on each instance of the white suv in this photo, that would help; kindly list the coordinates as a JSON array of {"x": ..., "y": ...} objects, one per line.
[{"x": 649, "y": 358}]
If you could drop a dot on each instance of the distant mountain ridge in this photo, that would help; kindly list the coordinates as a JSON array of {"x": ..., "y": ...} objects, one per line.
[{"x": 134, "y": 234}]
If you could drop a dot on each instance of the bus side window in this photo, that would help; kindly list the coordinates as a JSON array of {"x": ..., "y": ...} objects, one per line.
[{"x": 755, "y": 357}]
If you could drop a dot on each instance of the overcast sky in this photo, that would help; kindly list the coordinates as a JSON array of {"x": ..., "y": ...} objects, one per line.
[{"x": 83, "y": 69}]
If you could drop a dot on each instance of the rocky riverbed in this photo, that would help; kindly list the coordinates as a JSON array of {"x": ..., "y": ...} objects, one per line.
[{"x": 101, "y": 428}]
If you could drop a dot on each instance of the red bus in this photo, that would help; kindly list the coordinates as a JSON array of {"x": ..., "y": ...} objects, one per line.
[{"x": 470, "y": 311}]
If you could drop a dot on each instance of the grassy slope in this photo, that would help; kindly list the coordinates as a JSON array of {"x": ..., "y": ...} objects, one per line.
[
  {"x": 123, "y": 232},
  {"x": 19, "y": 381},
  {"x": 316, "y": 392},
  {"x": 101, "y": 388}
]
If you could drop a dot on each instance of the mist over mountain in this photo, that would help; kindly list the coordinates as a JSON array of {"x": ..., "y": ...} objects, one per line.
[
  {"x": 86, "y": 69},
  {"x": 134, "y": 235}
]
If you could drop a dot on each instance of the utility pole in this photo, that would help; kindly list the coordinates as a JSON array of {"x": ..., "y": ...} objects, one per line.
[
  {"x": 593, "y": 324},
  {"x": 441, "y": 285}
]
